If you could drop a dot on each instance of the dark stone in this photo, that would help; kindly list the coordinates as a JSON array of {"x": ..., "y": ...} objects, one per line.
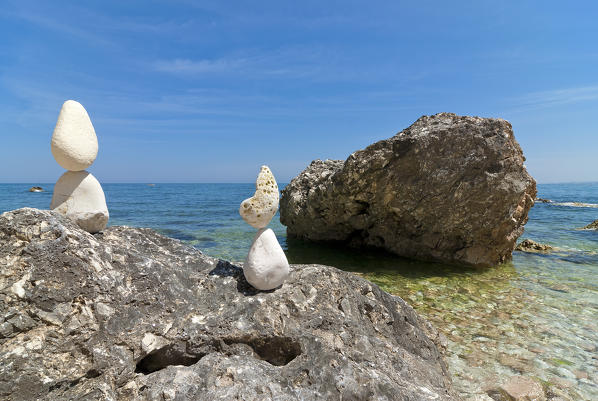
[
  {"x": 448, "y": 188},
  {"x": 128, "y": 314},
  {"x": 527, "y": 245},
  {"x": 36, "y": 189},
  {"x": 543, "y": 200},
  {"x": 592, "y": 226}
]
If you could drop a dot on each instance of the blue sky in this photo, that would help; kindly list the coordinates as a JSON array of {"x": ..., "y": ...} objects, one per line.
[{"x": 207, "y": 91}]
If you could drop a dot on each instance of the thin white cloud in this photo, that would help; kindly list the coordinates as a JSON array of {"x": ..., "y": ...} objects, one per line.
[
  {"x": 295, "y": 61},
  {"x": 186, "y": 66},
  {"x": 55, "y": 25},
  {"x": 559, "y": 96}
]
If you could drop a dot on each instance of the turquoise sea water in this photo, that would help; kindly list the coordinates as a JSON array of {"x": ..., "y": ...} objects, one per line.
[{"x": 536, "y": 316}]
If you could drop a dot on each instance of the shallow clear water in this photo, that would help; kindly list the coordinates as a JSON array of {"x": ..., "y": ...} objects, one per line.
[{"x": 537, "y": 315}]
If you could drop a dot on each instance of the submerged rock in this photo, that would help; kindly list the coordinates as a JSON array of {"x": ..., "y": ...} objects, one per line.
[
  {"x": 128, "y": 314},
  {"x": 448, "y": 188},
  {"x": 520, "y": 388},
  {"x": 527, "y": 245},
  {"x": 592, "y": 226},
  {"x": 543, "y": 200},
  {"x": 36, "y": 189}
]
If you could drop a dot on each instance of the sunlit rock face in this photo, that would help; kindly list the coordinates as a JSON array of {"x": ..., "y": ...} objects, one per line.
[
  {"x": 79, "y": 196},
  {"x": 448, "y": 188},
  {"x": 74, "y": 142},
  {"x": 128, "y": 314}
]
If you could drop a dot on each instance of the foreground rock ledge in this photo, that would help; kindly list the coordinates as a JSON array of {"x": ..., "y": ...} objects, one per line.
[
  {"x": 127, "y": 314},
  {"x": 448, "y": 188}
]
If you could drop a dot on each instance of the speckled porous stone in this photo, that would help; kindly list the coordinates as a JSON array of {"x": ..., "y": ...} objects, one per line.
[
  {"x": 128, "y": 314},
  {"x": 258, "y": 210}
]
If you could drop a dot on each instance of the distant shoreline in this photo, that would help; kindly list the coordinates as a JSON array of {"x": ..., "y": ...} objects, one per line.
[{"x": 243, "y": 183}]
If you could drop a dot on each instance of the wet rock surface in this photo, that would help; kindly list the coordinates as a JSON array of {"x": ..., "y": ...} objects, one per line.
[
  {"x": 592, "y": 226},
  {"x": 519, "y": 388},
  {"x": 127, "y": 314},
  {"x": 528, "y": 245},
  {"x": 447, "y": 188}
]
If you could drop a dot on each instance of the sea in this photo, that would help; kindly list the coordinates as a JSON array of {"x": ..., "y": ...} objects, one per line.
[{"x": 535, "y": 316}]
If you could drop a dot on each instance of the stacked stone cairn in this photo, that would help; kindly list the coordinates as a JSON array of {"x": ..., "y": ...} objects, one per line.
[
  {"x": 266, "y": 266},
  {"x": 77, "y": 194}
]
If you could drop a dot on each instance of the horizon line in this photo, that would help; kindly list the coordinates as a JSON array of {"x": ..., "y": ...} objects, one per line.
[{"x": 251, "y": 182}]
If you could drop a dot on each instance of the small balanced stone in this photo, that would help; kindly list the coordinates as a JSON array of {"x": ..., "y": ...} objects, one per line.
[
  {"x": 74, "y": 142},
  {"x": 258, "y": 210},
  {"x": 79, "y": 196},
  {"x": 266, "y": 266}
]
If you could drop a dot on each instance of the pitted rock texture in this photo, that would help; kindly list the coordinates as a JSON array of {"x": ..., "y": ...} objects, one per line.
[
  {"x": 127, "y": 314},
  {"x": 258, "y": 210},
  {"x": 448, "y": 188}
]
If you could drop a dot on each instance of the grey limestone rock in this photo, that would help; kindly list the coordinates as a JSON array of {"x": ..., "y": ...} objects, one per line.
[
  {"x": 448, "y": 188},
  {"x": 127, "y": 314}
]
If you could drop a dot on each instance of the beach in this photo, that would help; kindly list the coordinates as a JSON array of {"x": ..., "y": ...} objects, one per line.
[{"x": 534, "y": 316}]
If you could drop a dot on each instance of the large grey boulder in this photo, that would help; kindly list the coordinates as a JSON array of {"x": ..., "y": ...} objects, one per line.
[
  {"x": 447, "y": 188},
  {"x": 127, "y": 314}
]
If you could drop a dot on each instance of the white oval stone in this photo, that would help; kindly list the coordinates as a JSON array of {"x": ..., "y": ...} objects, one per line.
[
  {"x": 74, "y": 142},
  {"x": 266, "y": 266},
  {"x": 79, "y": 196},
  {"x": 258, "y": 210}
]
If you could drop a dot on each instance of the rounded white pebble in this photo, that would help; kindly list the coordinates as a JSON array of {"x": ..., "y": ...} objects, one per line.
[
  {"x": 74, "y": 142},
  {"x": 258, "y": 210},
  {"x": 79, "y": 196},
  {"x": 266, "y": 266}
]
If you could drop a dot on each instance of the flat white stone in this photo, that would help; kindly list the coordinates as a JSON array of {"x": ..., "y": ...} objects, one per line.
[
  {"x": 74, "y": 142},
  {"x": 266, "y": 266},
  {"x": 79, "y": 196},
  {"x": 258, "y": 210}
]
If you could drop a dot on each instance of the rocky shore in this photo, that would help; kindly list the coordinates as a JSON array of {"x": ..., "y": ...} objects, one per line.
[
  {"x": 448, "y": 188},
  {"x": 528, "y": 245},
  {"x": 128, "y": 314},
  {"x": 592, "y": 226}
]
